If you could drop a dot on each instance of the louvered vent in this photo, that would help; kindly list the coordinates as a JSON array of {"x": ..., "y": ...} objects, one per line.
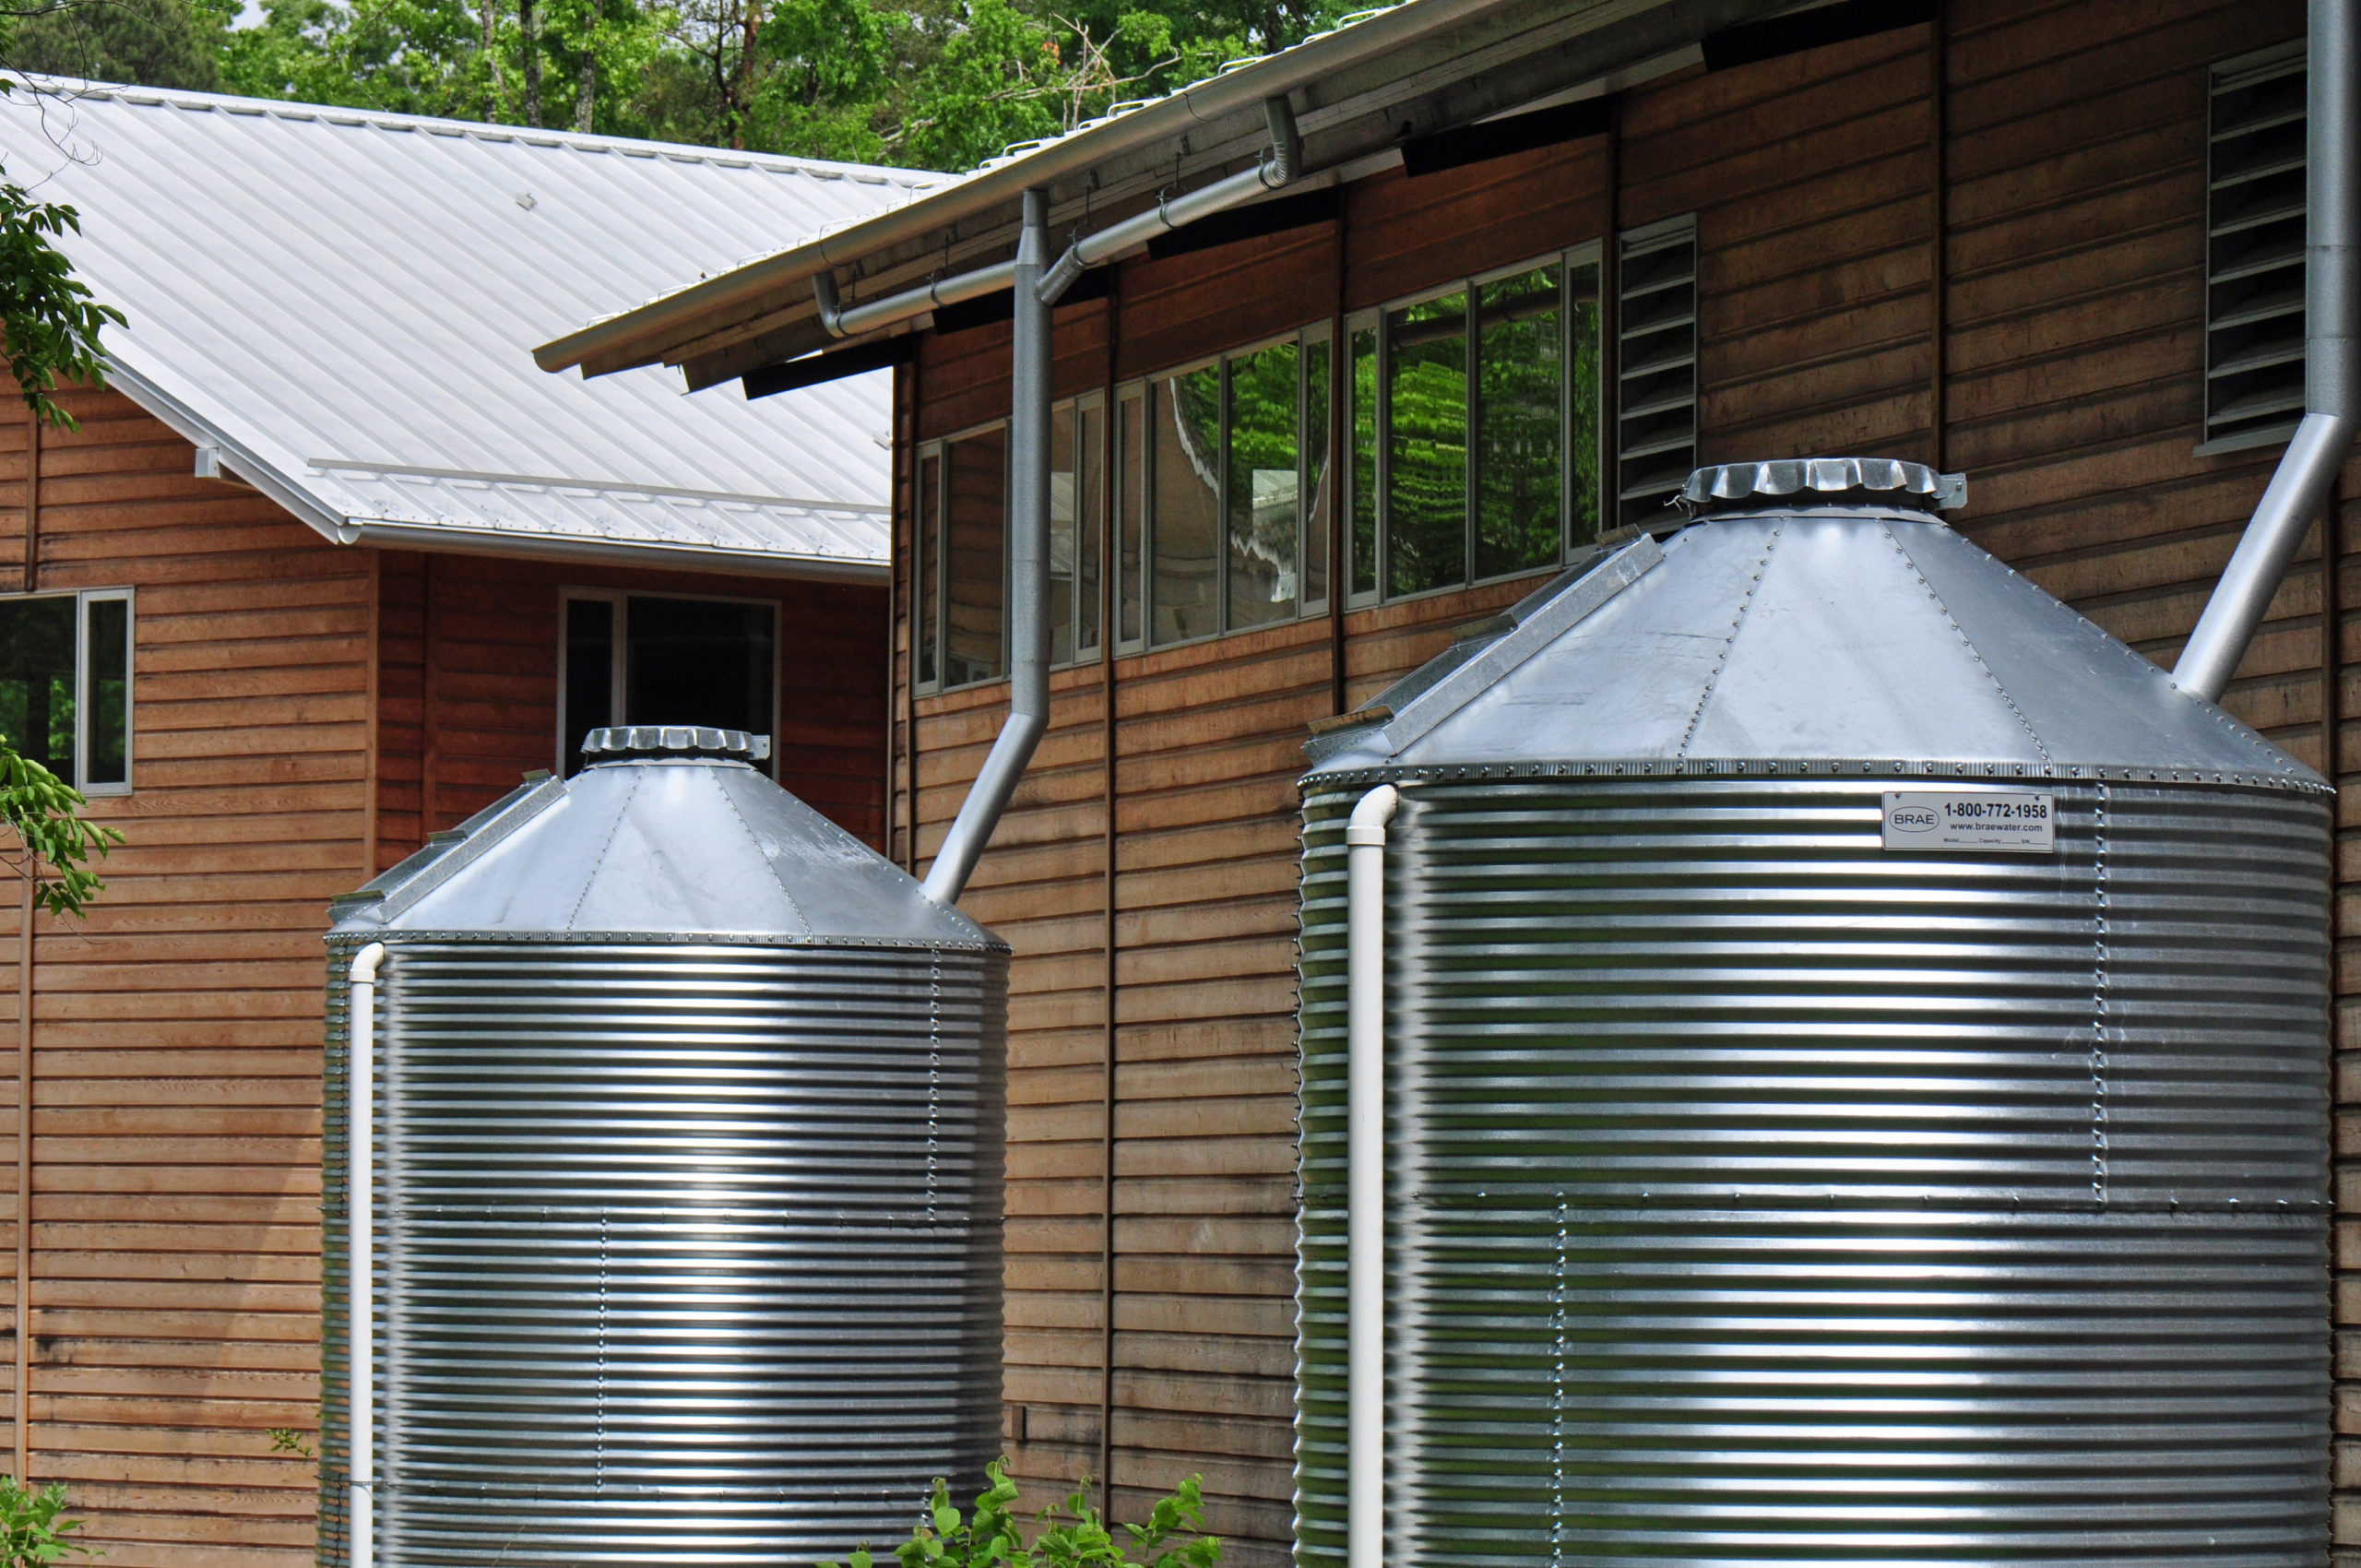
[
  {"x": 1656, "y": 417},
  {"x": 2254, "y": 249}
]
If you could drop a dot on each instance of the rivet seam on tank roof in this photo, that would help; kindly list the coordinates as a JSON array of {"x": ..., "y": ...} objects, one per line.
[
  {"x": 1834, "y": 769},
  {"x": 1721, "y": 659},
  {"x": 768, "y": 864},
  {"x": 606, "y": 846},
  {"x": 659, "y": 938},
  {"x": 1968, "y": 643}
]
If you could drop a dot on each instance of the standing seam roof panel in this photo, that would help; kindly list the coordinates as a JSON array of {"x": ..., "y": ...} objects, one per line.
[{"x": 312, "y": 283}]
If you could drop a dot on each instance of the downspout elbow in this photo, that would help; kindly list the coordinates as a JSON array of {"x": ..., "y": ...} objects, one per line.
[
  {"x": 1287, "y": 146},
  {"x": 831, "y": 307}
]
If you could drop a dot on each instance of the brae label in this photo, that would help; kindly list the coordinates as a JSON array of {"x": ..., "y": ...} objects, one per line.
[{"x": 2018, "y": 821}]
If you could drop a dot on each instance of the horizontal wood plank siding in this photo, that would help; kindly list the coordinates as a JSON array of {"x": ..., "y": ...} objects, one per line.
[
  {"x": 175, "y": 1300},
  {"x": 467, "y": 690},
  {"x": 2072, "y": 256}
]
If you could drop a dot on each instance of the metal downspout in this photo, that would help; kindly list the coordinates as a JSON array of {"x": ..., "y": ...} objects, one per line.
[
  {"x": 2332, "y": 361},
  {"x": 1028, "y": 577},
  {"x": 1035, "y": 286},
  {"x": 1365, "y": 1179},
  {"x": 361, "y": 1245}
]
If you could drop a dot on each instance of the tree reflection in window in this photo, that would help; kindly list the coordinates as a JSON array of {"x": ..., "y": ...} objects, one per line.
[
  {"x": 1519, "y": 421},
  {"x": 1426, "y": 488},
  {"x": 1185, "y": 593},
  {"x": 1264, "y": 476}
]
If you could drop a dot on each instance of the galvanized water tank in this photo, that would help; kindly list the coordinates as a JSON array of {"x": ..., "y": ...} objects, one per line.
[
  {"x": 1782, "y": 1164},
  {"x": 688, "y": 1179}
]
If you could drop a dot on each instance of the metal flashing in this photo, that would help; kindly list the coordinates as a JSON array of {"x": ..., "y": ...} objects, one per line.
[{"x": 1531, "y": 630}]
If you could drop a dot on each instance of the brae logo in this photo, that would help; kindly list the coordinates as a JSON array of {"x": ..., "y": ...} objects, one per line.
[{"x": 1912, "y": 819}]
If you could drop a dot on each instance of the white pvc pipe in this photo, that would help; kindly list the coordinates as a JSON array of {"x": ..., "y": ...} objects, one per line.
[
  {"x": 360, "y": 1251},
  {"x": 1365, "y": 1186}
]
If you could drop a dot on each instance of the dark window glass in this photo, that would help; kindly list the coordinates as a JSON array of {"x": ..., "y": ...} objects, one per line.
[
  {"x": 1130, "y": 508},
  {"x": 1316, "y": 476},
  {"x": 699, "y": 661},
  {"x": 37, "y": 680},
  {"x": 975, "y": 482},
  {"x": 1090, "y": 507},
  {"x": 589, "y": 673},
  {"x": 1520, "y": 369},
  {"x": 928, "y": 567},
  {"x": 109, "y": 692},
  {"x": 1184, "y": 585},
  {"x": 1364, "y": 438},
  {"x": 1263, "y": 479},
  {"x": 1426, "y": 454}
]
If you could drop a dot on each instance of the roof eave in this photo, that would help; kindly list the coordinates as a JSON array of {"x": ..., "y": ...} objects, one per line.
[
  {"x": 338, "y": 527},
  {"x": 1519, "y": 50}
]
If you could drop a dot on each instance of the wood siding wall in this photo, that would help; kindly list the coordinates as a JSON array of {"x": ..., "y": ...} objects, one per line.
[
  {"x": 2070, "y": 316},
  {"x": 175, "y": 1247},
  {"x": 467, "y": 696},
  {"x": 176, "y": 1106}
]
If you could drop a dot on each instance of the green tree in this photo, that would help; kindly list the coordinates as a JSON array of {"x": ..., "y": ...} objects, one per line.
[
  {"x": 49, "y": 319},
  {"x": 157, "y": 43}
]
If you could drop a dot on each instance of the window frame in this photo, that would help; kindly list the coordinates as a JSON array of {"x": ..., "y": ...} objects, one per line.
[
  {"x": 618, "y": 658},
  {"x": 83, "y": 598},
  {"x": 1373, "y": 319},
  {"x": 127, "y": 597},
  {"x": 1093, "y": 401},
  {"x": 1311, "y": 336},
  {"x": 931, "y": 450}
]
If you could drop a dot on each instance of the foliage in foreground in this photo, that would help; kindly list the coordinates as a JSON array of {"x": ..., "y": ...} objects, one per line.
[
  {"x": 32, "y": 1530},
  {"x": 54, "y": 843},
  {"x": 1072, "y": 1534}
]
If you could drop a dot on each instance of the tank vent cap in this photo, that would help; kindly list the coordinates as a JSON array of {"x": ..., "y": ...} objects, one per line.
[
  {"x": 1809, "y": 480},
  {"x": 673, "y": 739}
]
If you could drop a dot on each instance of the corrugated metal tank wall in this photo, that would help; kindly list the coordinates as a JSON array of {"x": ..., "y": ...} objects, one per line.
[
  {"x": 687, "y": 1243},
  {"x": 1757, "y": 1193}
]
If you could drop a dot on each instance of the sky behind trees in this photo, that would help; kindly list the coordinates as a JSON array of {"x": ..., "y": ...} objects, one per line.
[{"x": 934, "y": 83}]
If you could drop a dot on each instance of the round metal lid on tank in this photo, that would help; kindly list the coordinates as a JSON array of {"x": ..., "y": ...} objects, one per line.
[
  {"x": 670, "y": 833},
  {"x": 1807, "y": 615},
  {"x": 1798, "y": 481},
  {"x": 619, "y": 742}
]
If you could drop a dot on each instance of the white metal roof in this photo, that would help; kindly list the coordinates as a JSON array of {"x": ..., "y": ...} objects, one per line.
[{"x": 344, "y": 303}]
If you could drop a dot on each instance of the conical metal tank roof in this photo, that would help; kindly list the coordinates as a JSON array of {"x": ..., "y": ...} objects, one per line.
[
  {"x": 1795, "y": 634},
  {"x": 676, "y": 836}
]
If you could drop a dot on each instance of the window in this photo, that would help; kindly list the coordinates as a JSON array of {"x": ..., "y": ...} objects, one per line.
[
  {"x": 960, "y": 573},
  {"x": 66, "y": 685},
  {"x": 638, "y": 659},
  {"x": 1222, "y": 494},
  {"x": 2254, "y": 249},
  {"x": 1655, "y": 367},
  {"x": 1472, "y": 417}
]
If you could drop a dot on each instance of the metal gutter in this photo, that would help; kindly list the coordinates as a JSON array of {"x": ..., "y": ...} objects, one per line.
[
  {"x": 1356, "y": 92},
  {"x": 1189, "y": 110},
  {"x": 2332, "y": 361},
  {"x": 339, "y": 529},
  {"x": 555, "y": 547}
]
